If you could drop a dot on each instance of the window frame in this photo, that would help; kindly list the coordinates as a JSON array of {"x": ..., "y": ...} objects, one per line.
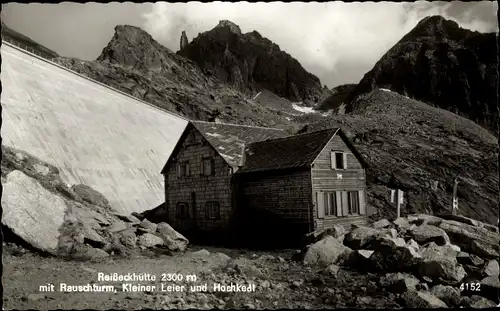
[
  {"x": 212, "y": 166},
  {"x": 353, "y": 196},
  {"x": 329, "y": 201},
  {"x": 180, "y": 212},
  {"x": 179, "y": 170},
  {"x": 210, "y": 213},
  {"x": 334, "y": 161}
]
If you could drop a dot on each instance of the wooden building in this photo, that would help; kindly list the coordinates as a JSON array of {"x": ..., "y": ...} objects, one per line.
[{"x": 260, "y": 181}]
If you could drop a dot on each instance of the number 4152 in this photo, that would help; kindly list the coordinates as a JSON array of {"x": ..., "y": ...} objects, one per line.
[{"x": 473, "y": 287}]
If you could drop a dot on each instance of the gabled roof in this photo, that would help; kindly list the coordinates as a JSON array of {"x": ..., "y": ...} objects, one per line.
[
  {"x": 228, "y": 139},
  {"x": 290, "y": 152}
]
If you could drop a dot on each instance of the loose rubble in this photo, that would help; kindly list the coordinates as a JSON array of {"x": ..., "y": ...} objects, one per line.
[{"x": 411, "y": 262}]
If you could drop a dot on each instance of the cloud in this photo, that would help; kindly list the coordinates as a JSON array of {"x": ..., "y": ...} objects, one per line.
[{"x": 337, "y": 41}]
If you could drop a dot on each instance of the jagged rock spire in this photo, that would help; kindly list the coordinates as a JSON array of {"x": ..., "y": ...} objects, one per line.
[{"x": 184, "y": 40}]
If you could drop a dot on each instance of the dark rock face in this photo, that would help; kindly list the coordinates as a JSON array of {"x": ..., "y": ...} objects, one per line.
[
  {"x": 443, "y": 65},
  {"x": 337, "y": 98},
  {"x": 184, "y": 40},
  {"x": 251, "y": 62}
]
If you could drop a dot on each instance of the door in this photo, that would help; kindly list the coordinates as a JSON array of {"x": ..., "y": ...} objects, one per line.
[{"x": 193, "y": 210}]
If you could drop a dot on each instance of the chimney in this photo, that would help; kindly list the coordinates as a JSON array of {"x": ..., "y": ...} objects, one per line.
[{"x": 243, "y": 155}]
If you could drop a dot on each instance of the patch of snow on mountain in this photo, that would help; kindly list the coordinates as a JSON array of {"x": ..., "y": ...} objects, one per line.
[{"x": 303, "y": 109}]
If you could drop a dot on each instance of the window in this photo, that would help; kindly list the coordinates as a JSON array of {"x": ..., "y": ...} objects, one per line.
[
  {"x": 183, "y": 169},
  {"x": 182, "y": 210},
  {"x": 353, "y": 202},
  {"x": 190, "y": 139},
  {"x": 207, "y": 167},
  {"x": 327, "y": 204},
  {"x": 330, "y": 204},
  {"x": 338, "y": 160},
  {"x": 213, "y": 210}
]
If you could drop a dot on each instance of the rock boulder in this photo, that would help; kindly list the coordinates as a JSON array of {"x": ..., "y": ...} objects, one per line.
[
  {"x": 32, "y": 212},
  {"x": 172, "y": 239},
  {"x": 324, "y": 252}
]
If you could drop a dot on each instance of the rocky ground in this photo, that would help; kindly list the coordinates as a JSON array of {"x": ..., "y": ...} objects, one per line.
[
  {"x": 56, "y": 233},
  {"x": 419, "y": 149},
  {"x": 410, "y": 262}
]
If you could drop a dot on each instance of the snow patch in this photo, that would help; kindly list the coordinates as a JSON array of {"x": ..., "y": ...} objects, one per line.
[
  {"x": 214, "y": 134},
  {"x": 303, "y": 109},
  {"x": 387, "y": 90}
]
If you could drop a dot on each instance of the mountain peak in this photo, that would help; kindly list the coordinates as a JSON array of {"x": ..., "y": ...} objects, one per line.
[
  {"x": 439, "y": 27},
  {"x": 229, "y": 25}
]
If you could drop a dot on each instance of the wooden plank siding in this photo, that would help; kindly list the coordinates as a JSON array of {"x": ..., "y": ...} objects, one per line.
[
  {"x": 325, "y": 179},
  {"x": 277, "y": 201},
  {"x": 213, "y": 188}
]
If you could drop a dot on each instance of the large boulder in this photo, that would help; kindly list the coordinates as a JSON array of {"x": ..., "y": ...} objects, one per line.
[
  {"x": 32, "y": 212},
  {"x": 475, "y": 240},
  {"x": 476, "y": 302},
  {"x": 384, "y": 243},
  {"x": 399, "y": 282},
  {"x": 448, "y": 294},
  {"x": 395, "y": 258},
  {"x": 383, "y": 223},
  {"x": 465, "y": 258},
  {"x": 428, "y": 233},
  {"x": 490, "y": 288},
  {"x": 90, "y": 195},
  {"x": 359, "y": 259},
  {"x": 424, "y": 219},
  {"x": 402, "y": 223},
  {"x": 128, "y": 238},
  {"x": 336, "y": 231},
  {"x": 172, "y": 239},
  {"x": 324, "y": 252},
  {"x": 440, "y": 263},
  {"x": 484, "y": 249},
  {"x": 416, "y": 299},
  {"x": 362, "y": 236},
  {"x": 147, "y": 226},
  {"x": 462, "y": 219},
  {"x": 491, "y": 268},
  {"x": 149, "y": 240}
]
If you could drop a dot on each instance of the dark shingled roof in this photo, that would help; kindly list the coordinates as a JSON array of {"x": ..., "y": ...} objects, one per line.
[
  {"x": 228, "y": 139},
  {"x": 289, "y": 152}
]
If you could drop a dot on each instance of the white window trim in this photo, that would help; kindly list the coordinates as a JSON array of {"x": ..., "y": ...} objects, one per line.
[{"x": 333, "y": 160}]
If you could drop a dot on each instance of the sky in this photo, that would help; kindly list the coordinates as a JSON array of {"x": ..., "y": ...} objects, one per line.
[{"x": 338, "y": 42}]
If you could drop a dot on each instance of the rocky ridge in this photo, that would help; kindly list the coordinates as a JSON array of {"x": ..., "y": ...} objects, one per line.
[
  {"x": 251, "y": 63},
  {"x": 443, "y": 65},
  {"x": 336, "y": 100},
  {"x": 133, "y": 62},
  {"x": 11, "y": 34},
  {"x": 421, "y": 150}
]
